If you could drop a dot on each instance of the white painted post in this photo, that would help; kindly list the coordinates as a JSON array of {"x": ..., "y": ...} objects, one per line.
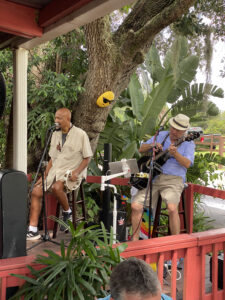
[{"x": 20, "y": 62}]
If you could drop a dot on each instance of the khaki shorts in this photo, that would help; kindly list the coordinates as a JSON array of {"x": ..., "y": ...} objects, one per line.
[{"x": 169, "y": 187}]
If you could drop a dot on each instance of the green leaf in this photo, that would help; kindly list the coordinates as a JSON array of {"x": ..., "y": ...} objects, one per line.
[
  {"x": 157, "y": 100},
  {"x": 154, "y": 65},
  {"x": 136, "y": 95},
  {"x": 129, "y": 150}
]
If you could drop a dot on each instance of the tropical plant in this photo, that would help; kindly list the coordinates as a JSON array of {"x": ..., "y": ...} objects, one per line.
[
  {"x": 203, "y": 170},
  {"x": 81, "y": 271},
  {"x": 139, "y": 110}
]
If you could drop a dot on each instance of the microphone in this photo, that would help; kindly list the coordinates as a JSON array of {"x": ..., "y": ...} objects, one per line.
[{"x": 54, "y": 127}]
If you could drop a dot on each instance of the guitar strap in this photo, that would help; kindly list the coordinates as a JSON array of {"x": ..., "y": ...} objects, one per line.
[{"x": 165, "y": 138}]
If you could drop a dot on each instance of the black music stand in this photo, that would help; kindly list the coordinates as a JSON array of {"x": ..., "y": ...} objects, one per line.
[{"x": 45, "y": 237}]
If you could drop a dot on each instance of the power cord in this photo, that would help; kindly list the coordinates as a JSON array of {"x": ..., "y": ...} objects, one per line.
[{"x": 169, "y": 271}]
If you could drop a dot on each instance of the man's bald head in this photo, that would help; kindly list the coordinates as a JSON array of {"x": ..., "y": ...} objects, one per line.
[
  {"x": 63, "y": 118},
  {"x": 65, "y": 112}
]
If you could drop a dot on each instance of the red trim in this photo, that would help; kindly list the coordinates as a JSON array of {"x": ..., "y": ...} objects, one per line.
[
  {"x": 208, "y": 191},
  {"x": 115, "y": 181},
  {"x": 19, "y": 20},
  {"x": 57, "y": 9}
]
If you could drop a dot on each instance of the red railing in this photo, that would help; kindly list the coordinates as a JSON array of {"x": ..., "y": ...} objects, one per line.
[{"x": 194, "y": 248}]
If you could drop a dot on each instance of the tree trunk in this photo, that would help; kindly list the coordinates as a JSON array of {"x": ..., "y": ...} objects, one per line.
[{"x": 114, "y": 57}]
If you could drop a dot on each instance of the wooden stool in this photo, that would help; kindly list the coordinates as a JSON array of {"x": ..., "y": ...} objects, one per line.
[
  {"x": 164, "y": 229},
  {"x": 74, "y": 201}
]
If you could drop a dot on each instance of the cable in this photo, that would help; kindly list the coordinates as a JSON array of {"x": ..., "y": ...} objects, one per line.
[{"x": 170, "y": 272}]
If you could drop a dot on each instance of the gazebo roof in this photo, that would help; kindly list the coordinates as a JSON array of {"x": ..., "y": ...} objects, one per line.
[{"x": 28, "y": 23}]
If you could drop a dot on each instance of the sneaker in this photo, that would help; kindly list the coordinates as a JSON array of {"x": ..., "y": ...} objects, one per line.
[
  {"x": 66, "y": 217},
  {"x": 32, "y": 236}
]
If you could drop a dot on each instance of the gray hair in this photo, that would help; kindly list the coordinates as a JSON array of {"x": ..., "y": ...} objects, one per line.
[{"x": 133, "y": 276}]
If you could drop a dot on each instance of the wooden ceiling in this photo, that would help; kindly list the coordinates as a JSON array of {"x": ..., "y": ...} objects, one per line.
[{"x": 28, "y": 23}]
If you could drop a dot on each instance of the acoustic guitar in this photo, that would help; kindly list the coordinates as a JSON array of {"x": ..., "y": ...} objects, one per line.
[{"x": 140, "y": 180}]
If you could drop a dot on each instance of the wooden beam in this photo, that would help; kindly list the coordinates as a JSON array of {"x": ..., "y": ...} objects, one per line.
[
  {"x": 19, "y": 20},
  {"x": 57, "y": 9}
]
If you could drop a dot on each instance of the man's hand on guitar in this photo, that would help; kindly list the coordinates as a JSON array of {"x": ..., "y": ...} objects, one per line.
[
  {"x": 147, "y": 147},
  {"x": 172, "y": 150},
  {"x": 158, "y": 147}
]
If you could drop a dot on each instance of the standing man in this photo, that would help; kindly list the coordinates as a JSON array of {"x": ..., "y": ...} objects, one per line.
[
  {"x": 69, "y": 150},
  {"x": 134, "y": 279},
  {"x": 170, "y": 183}
]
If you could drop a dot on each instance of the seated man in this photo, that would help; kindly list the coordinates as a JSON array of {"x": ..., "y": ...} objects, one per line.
[
  {"x": 170, "y": 183},
  {"x": 134, "y": 279},
  {"x": 69, "y": 150}
]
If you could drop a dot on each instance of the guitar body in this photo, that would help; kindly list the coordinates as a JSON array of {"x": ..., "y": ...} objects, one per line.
[{"x": 138, "y": 180}]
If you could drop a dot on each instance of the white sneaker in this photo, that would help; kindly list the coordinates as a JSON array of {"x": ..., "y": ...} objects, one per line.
[{"x": 32, "y": 236}]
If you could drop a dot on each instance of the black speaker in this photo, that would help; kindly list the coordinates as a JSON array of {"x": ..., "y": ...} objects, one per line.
[{"x": 13, "y": 213}]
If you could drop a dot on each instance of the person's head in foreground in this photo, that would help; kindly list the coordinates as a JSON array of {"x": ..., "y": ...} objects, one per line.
[{"x": 134, "y": 279}]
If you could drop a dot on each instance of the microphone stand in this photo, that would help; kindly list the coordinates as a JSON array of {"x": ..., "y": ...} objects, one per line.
[
  {"x": 152, "y": 166},
  {"x": 46, "y": 236}
]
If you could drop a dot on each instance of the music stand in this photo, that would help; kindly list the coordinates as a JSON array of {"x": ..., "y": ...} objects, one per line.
[
  {"x": 120, "y": 168},
  {"x": 46, "y": 236}
]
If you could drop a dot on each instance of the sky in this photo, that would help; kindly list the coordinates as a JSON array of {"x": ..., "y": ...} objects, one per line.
[
  {"x": 218, "y": 53},
  {"x": 216, "y": 67}
]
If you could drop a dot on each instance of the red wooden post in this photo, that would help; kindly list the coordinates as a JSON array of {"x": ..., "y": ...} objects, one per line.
[
  {"x": 160, "y": 267},
  {"x": 192, "y": 272},
  {"x": 174, "y": 275},
  {"x": 221, "y": 145},
  {"x": 189, "y": 202},
  {"x": 215, "y": 272}
]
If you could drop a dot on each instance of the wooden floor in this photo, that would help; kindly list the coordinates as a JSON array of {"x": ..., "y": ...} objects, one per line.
[{"x": 38, "y": 246}]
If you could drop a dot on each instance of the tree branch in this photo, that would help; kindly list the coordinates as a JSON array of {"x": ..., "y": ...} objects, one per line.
[{"x": 146, "y": 33}]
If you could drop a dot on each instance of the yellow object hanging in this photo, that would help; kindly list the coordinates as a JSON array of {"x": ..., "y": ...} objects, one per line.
[{"x": 105, "y": 99}]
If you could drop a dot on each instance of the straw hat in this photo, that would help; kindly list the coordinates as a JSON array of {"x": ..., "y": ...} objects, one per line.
[{"x": 180, "y": 122}]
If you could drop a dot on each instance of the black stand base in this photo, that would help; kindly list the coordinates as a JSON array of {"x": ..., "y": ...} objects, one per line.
[{"x": 44, "y": 238}]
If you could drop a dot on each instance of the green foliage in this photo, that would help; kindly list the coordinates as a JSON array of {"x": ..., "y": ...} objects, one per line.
[
  {"x": 216, "y": 125},
  {"x": 57, "y": 90},
  {"x": 6, "y": 69},
  {"x": 54, "y": 81},
  {"x": 190, "y": 25},
  {"x": 201, "y": 222},
  {"x": 203, "y": 170},
  {"x": 136, "y": 114},
  {"x": 80, "y": 272},
  {"x": 192, "y": 100},
  {"x": 92, "y": 209}
]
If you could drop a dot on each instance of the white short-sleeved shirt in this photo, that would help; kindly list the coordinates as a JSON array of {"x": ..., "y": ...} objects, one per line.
[{"x": 69, "y": 156}]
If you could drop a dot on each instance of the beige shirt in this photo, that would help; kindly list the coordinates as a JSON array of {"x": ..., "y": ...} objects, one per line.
[{"x": 69, "y": 156}]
